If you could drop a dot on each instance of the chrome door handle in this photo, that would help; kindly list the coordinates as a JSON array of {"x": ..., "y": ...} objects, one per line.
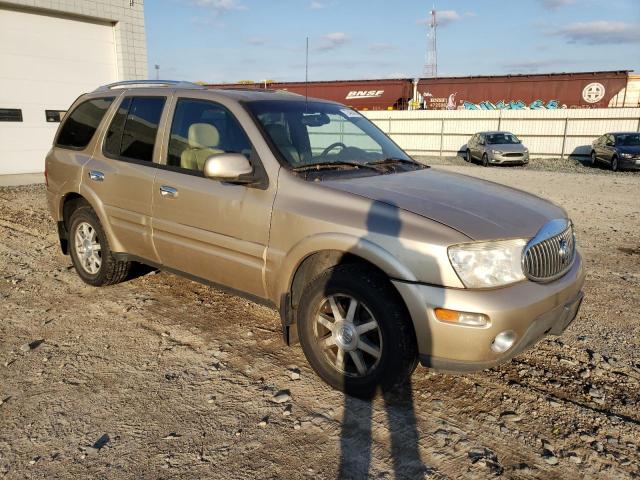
[
  {"x": 169, "y": 192},
  {"x": 96, "y": 176}
]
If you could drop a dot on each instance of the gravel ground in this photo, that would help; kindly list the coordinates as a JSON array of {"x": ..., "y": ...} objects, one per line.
[{"x": 161, "y": 377}]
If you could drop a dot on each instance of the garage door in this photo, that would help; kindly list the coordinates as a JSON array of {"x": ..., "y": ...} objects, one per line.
[{"x": 46, "y": 61}]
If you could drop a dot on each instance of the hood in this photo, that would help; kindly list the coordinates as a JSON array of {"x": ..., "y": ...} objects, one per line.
[
  {"x": 633, "y": 150},
  {"x": 507, "y": 147},
  {"x": 479, "y": 209}
]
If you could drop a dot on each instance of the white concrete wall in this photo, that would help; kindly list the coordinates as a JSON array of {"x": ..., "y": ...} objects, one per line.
[
  {"x": 126, "y": 16},
  {"x": 52, "y": 51},
  {"x": 547, "y": 133}
]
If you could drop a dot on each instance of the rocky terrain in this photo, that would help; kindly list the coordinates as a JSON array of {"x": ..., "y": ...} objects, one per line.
[{"x": 160, "y": 377}]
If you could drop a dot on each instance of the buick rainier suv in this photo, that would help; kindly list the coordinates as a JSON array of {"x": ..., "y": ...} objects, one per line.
[{"x": 374, "y": 261}]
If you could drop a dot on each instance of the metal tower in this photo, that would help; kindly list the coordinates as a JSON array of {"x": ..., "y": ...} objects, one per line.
[{"x": 431, "y": 64}]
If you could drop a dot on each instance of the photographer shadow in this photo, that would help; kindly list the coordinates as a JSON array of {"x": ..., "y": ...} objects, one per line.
[{"x": 360, "y": 425}]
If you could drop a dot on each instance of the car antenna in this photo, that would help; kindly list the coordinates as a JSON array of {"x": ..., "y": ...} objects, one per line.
[{"x": 306, "y": 79}]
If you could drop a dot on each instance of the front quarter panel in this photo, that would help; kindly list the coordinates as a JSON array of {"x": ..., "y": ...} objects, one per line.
[{"x": 309, "y": 218}]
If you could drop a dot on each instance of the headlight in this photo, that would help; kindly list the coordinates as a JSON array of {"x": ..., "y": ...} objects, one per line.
[
  {"x": 488, "y": 264},
  {"x": 626, "y": 155},
  {"x": 499, "y": 152}
]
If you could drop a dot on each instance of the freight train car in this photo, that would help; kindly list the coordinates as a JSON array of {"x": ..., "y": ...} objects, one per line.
[
  {"x": 536, "y": 91},
  {"x": 386, "y": 94},
  {"x": 552, "y": 91}
]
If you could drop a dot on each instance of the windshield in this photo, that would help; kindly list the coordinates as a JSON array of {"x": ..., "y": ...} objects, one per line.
[
  {"x": 502, "y": 139},
  {"x": 628, "y": 140},
  {"x": 318, "y": 133}
]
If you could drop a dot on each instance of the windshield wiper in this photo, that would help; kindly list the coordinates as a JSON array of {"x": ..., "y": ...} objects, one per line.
[
  {"x": 393, "y": 160},
  {"x": 333, "y": 165}
]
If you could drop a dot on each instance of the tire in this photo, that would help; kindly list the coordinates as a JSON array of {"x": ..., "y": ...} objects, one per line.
[
  {"x": 614, "y": 164},
  {"x": 485, "y": 160},
  {"x": 85, "y": 234},
  {"x": 594, "y": 158},
  {"x": 392, "y": 338},
  {"x": 467, "y": 156}
]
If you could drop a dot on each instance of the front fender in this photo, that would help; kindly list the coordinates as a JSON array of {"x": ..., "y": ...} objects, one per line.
[{"x": 289, "y": 262}]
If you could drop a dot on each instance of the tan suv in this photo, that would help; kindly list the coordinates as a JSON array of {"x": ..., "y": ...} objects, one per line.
[{"x": 374, "y": 261}]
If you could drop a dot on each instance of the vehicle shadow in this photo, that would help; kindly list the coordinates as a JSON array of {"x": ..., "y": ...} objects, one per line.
[
  {"x": 363, "y": 420},
  {"x": 582, "y": 155}
]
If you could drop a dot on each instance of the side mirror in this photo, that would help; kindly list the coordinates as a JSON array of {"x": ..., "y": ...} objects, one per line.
[{"x": 228, "y": 167}]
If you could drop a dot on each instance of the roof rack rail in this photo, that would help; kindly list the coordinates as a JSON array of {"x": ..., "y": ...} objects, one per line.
[{"x": 150, "y": 83}]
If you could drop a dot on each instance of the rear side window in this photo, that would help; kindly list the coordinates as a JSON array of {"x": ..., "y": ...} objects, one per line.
[
  {"x": 133, "y": 130},
  {"x": 82, "y": 123}
]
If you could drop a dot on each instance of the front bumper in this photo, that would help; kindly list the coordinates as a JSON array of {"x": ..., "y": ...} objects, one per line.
[
  {"x": 531, "y": 310},
  {"x": 503, "y": 159},
  {"x": 629, "y": 163}
]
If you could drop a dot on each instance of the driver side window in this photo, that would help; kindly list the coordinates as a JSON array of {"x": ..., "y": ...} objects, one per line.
[{"x": 201, "y": 129}]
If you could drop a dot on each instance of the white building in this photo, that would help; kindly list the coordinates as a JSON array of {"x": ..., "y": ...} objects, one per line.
[{"x": 51, "y": 51}]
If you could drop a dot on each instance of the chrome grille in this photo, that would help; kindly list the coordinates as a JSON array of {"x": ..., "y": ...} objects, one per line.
[{"x": 550, "y": 254}]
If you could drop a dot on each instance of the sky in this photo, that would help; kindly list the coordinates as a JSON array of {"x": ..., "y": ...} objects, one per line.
[{"x": 233, "y": 40}]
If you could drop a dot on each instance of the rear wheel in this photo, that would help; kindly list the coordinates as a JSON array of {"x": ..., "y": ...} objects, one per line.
[
  {"x": 90, "y": 252},
  {"x": 614, "y": 164},
  {"x": 355, "y": 332},
  {"x": 485, "y": 160},
  {"x": 594, "y": 159}
]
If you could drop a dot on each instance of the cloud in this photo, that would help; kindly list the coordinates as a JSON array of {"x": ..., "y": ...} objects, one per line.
[
  {"x": 530, "y": 66},
  {"x": 317, "y": 5},
  {"x": 555, "y": 4},
  {"x": 219, "y": 6},
  {"x": 443, "y": 18},
  {"x": 334, "y": 40},
  {"x": 382, "y": 47},
  {"x": 257, "y": 41},
  {"x": 600, "y": 32}
]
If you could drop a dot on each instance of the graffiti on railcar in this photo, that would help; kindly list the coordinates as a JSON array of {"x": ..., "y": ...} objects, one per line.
[{"x": 513, "y": 105}]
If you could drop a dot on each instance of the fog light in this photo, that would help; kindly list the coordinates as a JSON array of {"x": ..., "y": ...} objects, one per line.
[
  {"x": 503, "y": 341},
  {"x": 462, "y": 318}
]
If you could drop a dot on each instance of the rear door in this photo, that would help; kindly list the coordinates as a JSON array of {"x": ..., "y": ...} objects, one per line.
[
  {"x": 122, "y": 170},
  {"x": 471, "y": 144},
  {"x": 608, "y": 148},
  {"x": 478, "y": 147},
  {"x": 597, "y": 146},
  {"x": 212, "y": 230}
]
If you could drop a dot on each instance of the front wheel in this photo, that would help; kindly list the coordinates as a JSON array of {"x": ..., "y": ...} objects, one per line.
[
  {"x": 614, "y": 164},
  {"x": 90, "y": 252},
  {"x": 594, "y": 159},
  {"x": 355, "y": 331},
  {"x": 485, "y": 160}
]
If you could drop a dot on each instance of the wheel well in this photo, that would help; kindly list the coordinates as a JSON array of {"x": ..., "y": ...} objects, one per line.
[
  {"x": 70, "y": 203},
  {"x": 310, "y": 268}
]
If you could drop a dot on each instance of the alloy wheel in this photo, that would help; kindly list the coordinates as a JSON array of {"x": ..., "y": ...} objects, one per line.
[
  {"x": 88, "y": 248},
  {"x": 348, "y": 334}
]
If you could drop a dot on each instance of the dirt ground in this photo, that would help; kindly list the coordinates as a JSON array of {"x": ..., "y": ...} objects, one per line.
[{"x": 160, "y": 377}]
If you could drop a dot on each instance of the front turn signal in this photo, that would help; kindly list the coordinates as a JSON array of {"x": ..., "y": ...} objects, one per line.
[{"x": 462, "y": 318}]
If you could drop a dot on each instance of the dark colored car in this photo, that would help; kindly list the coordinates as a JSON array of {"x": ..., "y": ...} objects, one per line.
[
  {"x": 496, "y": 148},
  {"x": 621, "y": 150}
]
